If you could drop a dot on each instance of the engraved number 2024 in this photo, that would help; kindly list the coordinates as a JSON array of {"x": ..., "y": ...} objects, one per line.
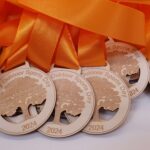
[
  {"x": 54, "y": 130},
  {"x": 96, "y": 127},
  {"x": 29, "y": 125}
]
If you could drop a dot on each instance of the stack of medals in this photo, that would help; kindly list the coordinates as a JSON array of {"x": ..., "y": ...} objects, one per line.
[
  {"x": 95, "y": 100},
  {"x": 63, "y": 102}
]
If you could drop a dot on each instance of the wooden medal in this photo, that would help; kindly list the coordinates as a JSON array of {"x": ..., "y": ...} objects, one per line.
[
  {"x": 74, "y": 96},
  {"x": 111, "y": 95},
  {"x": 22, "y": 91},
  {"x": 130, "y": 64}
]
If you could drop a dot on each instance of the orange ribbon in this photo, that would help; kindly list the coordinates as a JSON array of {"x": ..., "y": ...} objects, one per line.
[
  {"x": 8, "y": 28},
  {"x": 41, "y": 40},
  {"x": 143, "y": 6},
  {"x": 9, "y": 20},
  {"x": 65, "y": 55},
  {"x": 44, "y": 41},
  {"x": 100, "y": 16},
  {"x": 15, "y": 50},
  {"x": 8, "y": 11},
  {"x": 91, "y": 49}
]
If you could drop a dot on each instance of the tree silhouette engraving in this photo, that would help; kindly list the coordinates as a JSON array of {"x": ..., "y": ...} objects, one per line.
[
  {"x": 69, "y": 99},
  {"x": 106, "y": 96},
  {"x": 124, "y": 65},
  {"x": 21, "y": 93}
]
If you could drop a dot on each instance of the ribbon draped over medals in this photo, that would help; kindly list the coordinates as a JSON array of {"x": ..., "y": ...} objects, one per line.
[{"x": 67, "y": 33}]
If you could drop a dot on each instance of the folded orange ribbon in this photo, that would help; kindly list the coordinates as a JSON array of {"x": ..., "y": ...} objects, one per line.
[
  {"x": 43, "y": 40},
  {"x": 91, "y": 49},
  {"x": 66, "y": 55},
  {"x": 8, "y": 56}
]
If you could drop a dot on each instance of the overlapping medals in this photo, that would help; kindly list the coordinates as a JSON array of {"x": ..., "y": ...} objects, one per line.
[
  {"x": 111, "y": 94},
  {"x": 64, "y": 102}
]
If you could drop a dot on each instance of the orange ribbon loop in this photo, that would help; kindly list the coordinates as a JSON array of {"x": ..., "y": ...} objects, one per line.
[
  {"x": 43, "y": 41},
  {"x": 66, "y": 55}
]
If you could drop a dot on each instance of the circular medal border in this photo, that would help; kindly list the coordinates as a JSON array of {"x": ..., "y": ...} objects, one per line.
[
  {"x": 143, "y": 59},
  {"x": 125, "y": 116},
  {"x": 83, "y": 126},
  {"x": 50, "y": 112}
]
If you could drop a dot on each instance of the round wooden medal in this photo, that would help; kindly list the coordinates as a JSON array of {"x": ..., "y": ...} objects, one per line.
[
  {"x": 112, "y": 101},
  {"x": 74, "y": 96},
  {"x": 130, "y": 64},
  {"x": 22, "y": 90}
]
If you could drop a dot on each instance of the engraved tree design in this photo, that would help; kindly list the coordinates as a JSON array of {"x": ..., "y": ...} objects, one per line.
[
  {"x": 106, "y": 96},
  {"x": 21, "y": 93},
  {"x": 123, "y": 64},
  {"x": 69, "y": 99}
]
